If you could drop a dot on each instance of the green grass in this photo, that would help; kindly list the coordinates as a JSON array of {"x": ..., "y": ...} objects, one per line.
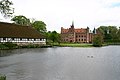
[{"x": 73, "y": 45}]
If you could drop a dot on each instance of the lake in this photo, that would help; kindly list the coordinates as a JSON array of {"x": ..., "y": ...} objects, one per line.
[{"x": 61, "y": 63}]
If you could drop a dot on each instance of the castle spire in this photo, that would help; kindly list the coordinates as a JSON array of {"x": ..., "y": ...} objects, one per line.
[
  {"x": 72, "y": 26},
  {"x": 94, "y": 30}
]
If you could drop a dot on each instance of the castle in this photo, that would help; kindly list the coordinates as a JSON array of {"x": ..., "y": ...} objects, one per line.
[{"x": 76, "y": 35}]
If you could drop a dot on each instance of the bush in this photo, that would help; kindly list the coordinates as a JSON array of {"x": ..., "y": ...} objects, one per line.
[
  {"x": 97, "y": 41},
  {"x": 2, "y": 77},
  {"x": 10, "y": 45}
]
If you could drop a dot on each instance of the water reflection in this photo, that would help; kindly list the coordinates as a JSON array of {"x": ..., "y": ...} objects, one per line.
[
  {"x": 62, "y": 64},
  {"x": 4, "y": 53}
]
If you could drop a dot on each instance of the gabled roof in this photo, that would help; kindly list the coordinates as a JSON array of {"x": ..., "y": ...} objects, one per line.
[{"x": 10, "y": 30}]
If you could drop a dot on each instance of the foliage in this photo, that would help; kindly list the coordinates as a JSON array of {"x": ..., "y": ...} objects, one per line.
[
  {"x": 109, "y": 33},
  {"x": 97, "y": 40},
  {"x": 6, "y": 9},
  {"x": 118, "y": 34},
  {"x": 40, "y": 26},
  {"x": 47, "y": 34},
  {"x": 21, "y": 20},
  {"x": 7, "y": 45},
  {"x": 2, "y": 77},
  {"x": 53, "y": 36},
  {"x": 10, "y": 45},
  {"x": 2, "y": 46}
]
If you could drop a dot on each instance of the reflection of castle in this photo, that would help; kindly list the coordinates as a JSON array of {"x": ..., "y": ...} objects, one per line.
[{"x": 80, "y": 35}]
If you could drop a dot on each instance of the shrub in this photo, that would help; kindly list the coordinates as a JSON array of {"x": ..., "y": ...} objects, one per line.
[
  {"x": 2, "y": 77},
  {"x": 10, "y": 45},
  {"x": 97, "y": 41}
]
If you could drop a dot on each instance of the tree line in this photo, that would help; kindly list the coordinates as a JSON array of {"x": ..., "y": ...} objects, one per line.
[
  {"x": 107, "y": 35},
  {"x": 110, "y": 33}
]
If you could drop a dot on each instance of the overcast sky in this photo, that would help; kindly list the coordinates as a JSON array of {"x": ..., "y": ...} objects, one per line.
[{"x": 61, "y": 13}]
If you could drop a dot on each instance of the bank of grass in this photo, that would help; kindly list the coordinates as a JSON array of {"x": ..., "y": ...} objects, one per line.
[
  {"x": 73, "y": 45},
  {"x": 9, "y": 45}
]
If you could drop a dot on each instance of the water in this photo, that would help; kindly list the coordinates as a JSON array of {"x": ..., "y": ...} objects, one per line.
[{"x": 61, "y": 63}]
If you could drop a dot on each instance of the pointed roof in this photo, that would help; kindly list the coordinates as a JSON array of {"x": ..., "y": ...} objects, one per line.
[{"x": 72, "y": 26}]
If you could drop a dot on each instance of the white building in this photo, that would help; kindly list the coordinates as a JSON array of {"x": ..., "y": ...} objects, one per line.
[{"x": 21, "y": 35}]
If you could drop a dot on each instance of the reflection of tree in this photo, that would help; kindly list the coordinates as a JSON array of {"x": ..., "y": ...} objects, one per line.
[{"x": 5, "y": 53}]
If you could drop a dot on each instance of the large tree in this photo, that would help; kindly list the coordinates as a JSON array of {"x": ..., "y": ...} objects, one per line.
[
  {"x": 21, "y": 20},
  {"x": 5, "y": 8},
  {"x": 109, "y": 33},
  {"x": 55, "y": 37},
  {"x": 118, "y": 34},
  {"x": 39, "y": 26},
  {"x": 97, "y": 40}
]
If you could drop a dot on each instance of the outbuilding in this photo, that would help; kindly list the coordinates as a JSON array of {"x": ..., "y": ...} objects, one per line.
[{"x": 21, "y": 35}]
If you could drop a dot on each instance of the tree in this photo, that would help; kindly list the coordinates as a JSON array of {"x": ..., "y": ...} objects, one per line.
[
  {"x": 39, "y": 26},
  {"x": 21, "y": 20},
  {"x": 118, "y": 34},
  {"x": 109, "y": 33},
  {"x": 5, "y": 8},
  {"x": 97, "y": 40},
  {"x": 55, "y": 37},
  {"x": 113, "y": 33}
]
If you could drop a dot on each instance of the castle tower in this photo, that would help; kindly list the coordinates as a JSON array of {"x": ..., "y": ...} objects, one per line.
[{"x": 72, "y": 26}]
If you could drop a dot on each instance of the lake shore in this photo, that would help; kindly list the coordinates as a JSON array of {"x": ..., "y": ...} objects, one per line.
[
  {"x": 73, "y": 45},
  {"x": 14, "y": 46},
  {"x": 8, "y": 46}
]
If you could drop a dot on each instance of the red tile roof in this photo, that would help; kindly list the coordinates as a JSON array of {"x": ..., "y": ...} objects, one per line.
[
  {"x": 65, "y": 30},
  {"x": 81, "y": 30}
]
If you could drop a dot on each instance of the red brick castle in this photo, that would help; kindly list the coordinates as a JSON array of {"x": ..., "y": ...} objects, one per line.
[{"x": 76, "y": 35}]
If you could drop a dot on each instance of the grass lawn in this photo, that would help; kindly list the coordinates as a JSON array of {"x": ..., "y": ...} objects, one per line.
[{"x": 73, "y": 45}]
